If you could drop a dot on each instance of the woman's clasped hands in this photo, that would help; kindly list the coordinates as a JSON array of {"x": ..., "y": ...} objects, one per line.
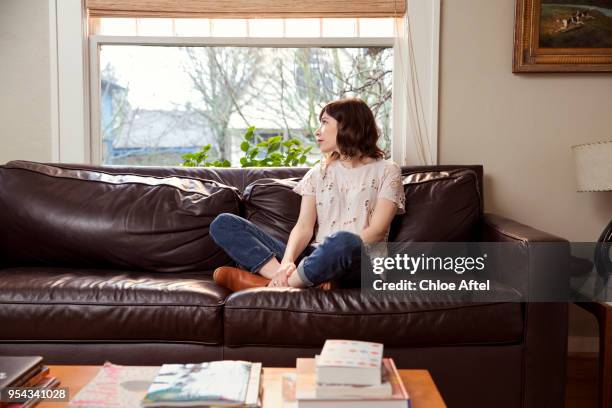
[{"x": 281, "y": 279}]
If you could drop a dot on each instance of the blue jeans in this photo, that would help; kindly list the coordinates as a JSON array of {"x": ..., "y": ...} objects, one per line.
[{"x": 338, "y": 257}]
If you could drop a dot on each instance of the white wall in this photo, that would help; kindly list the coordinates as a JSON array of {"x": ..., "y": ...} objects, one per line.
[
  {"x": 25, "y": 98},
  {"x": 520, "y": 127}
]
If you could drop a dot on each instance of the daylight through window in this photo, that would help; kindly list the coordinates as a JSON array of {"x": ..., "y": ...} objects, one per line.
[{"x": 158, "y": 102}]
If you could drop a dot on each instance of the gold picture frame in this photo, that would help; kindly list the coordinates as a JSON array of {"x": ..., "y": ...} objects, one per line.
[{"x": 562, "y": 36}]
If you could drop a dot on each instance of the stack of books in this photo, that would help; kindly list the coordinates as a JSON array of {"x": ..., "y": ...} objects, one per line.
[
  {"x": 349, "y": 374},
  {"x": 218, "y": 383},
  {"x": 22, "y": 372}
]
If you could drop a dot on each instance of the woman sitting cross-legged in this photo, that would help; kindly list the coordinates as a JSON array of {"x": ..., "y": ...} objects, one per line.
[{"x": 353, "y": 194}]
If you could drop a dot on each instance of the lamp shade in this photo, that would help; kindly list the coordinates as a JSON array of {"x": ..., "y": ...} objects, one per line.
[{"x": 593, "y": 166}]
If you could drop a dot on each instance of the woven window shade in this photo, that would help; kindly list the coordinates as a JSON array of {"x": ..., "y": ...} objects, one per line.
[{"x": 246, "y": 8}]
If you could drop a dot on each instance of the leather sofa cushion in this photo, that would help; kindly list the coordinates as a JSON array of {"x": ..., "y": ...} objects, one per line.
[
  {"x": 63, "y": 217},
  {"x": 272, "y": 205},
  {"x": 441, "y": 206},
  {"x": 305, "y": 318},
  {"x": 58, "y": 304}
]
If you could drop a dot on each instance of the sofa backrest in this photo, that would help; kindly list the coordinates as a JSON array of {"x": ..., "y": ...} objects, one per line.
[
  {"x": 235, "y": 177},
  {"x": 444, "y": 203},
  {"x": 62, "y": 217},
  {"x": 242, "y": 177},
  {"x": 441, "y": 206}
]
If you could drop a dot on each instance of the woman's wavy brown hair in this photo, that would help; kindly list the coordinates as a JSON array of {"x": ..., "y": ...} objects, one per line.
[{"x": 357, "y": 131}]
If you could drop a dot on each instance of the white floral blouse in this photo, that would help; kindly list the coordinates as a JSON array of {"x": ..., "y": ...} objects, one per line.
[{"x": 346, "y": 197}]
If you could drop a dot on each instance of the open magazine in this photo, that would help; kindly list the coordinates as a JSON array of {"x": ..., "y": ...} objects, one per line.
[{"x": 218, "y": 383}]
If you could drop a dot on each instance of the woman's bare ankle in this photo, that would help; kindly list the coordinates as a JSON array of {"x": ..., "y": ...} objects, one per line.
[
  {"x": 295, "y": 281},
  {"x": 269, "y": 269}
]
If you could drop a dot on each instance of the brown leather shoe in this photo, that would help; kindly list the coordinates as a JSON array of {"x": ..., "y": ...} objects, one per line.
[{"x": 236, "y": 279}]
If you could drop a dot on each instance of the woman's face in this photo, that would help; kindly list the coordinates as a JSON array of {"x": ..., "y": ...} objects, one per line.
[{"x": 326, "y": 134}]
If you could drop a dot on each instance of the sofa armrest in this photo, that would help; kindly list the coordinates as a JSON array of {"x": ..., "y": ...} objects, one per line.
[
  {"x": 546, "y": 323},
  {"x": 534, "y": 262},
  {"x": 496, "y": 228}
]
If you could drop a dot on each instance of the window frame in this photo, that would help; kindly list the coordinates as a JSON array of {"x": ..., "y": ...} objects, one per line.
[
  {"x": 97, "y": 41},
  {"x": 69, "y": 68}
]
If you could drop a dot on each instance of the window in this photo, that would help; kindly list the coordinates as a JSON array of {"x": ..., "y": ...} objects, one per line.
[{"x": 165, "y": 86}]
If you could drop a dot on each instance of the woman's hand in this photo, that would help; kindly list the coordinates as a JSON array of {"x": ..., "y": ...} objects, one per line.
[
  {"x": 287, "y": 267},
  {"x": 281, "y": 278}
]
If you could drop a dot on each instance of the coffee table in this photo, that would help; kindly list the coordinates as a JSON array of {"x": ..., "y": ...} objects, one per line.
[{"x": 419, "y": 384}]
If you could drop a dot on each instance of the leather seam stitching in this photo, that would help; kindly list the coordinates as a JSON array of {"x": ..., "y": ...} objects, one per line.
[
  {"x": 110, "y": 341},
  {"x": 221, "y": 305},
  {"x": 284, "y": 310}
]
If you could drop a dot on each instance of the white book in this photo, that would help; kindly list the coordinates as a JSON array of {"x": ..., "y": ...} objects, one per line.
[
  {"x": 306, "y": 397},
  {"x": 350, "y": 362},
  {"x": 340, "y": 391}
]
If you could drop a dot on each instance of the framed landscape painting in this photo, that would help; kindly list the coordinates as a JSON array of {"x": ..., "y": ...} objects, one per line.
[{"x": 562, "y": 36}]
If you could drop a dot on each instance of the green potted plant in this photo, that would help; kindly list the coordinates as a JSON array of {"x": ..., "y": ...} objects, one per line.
[{"x": 272, "y": 152}]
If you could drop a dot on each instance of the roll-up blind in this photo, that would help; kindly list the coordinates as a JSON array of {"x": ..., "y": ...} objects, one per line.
[{"x": 246, "y": 8}]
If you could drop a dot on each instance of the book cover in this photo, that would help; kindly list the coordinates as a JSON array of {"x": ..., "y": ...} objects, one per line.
[
  {"x": 350, "y": 362},
  {"x": 219, "y": 383},
  {"x": 115, "y": 386},
  {"x": 351, "y": 353}
]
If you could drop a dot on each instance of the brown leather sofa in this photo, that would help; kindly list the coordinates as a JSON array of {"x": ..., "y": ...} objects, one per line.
[{"x": 114, "y": 263}]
